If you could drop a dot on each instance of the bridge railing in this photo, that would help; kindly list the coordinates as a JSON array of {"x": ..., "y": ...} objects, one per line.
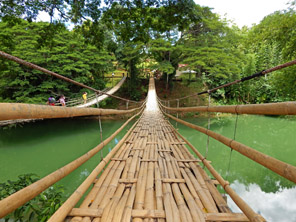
[
  {"x": 287, "y": 108},
  {"x": 12, "y": 202},
  {"x": 285, "y": 170}
]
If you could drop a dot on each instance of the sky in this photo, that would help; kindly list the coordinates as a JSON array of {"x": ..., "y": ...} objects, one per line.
[
  {"x": 244, "y": 12},
  {"x": 241, "y": 12}
]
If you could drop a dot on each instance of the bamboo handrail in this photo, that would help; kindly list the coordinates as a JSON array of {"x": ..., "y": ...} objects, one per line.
[
  {"x": 70, "y": 203},
  {"x": 284, "y": 169},
  {"x": 236, "y": 198},
  {"x": 284, "y": 108},
  {"x": 11, "y": 111},
  {"x": 11, "y": 203}
]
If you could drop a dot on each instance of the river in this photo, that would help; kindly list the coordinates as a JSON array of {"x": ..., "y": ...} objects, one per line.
[
  {"x": 44, "y": 146},
  {"x": 267, "y": 193}
]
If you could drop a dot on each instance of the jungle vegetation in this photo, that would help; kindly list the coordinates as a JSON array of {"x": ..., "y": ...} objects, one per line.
[{"x": 138, "y": 35}]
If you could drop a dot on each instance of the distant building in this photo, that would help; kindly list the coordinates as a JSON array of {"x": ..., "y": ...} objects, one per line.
[{"x": 181, "y": 70}]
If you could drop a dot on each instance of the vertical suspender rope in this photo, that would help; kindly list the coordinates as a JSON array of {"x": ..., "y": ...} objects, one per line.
[
  {"x": 209, "y": 126},
  {"x": 101, "y": 131},
  {"x": 230, "y": 155},
  {"x": 177, "y": 112},
  {"x": 127, "y": 105}
]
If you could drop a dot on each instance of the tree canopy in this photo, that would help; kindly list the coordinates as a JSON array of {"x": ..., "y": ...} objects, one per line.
[{"x": 127, "y": 34}]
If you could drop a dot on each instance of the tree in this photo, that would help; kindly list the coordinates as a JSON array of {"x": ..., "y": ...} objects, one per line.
[
  {"x": 64, "y": 53},
  {"x": 212, "y": 49}
]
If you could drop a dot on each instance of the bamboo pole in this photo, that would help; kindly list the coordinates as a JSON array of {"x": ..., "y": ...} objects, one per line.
[
  {"x": 12, "y": 111},
  {"x": 62, "y": 212},
  {"x": 283, "y": 108},
  {"x": 129, "y": 205},
  {"x": 239, "y": 202},
  {"x": 108, "y": 212},
  {"x": 118, "y": 212},
  {"x": 284, "y": 169},
  {"x": 91, "y": 197},
  {"x": 141, "y": 186},
  {"x": 19, "y": 198}
]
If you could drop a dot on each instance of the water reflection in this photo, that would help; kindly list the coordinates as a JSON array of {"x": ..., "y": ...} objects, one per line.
[
  {"x": 266, "y": 192},
  {"x": 274, "y": 207}
]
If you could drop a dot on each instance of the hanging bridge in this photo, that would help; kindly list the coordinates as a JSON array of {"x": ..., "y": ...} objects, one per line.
[{"x": 150, "y": 175}]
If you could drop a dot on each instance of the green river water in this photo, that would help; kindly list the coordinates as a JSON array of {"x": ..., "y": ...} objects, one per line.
[{"x": 44, "y": 146}]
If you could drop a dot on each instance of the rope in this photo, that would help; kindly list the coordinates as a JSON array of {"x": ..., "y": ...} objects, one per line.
[
  {"x": 258, "y": 74},
  {"x": 209, "y": 126},
  {"x": 177, "y": 113},
  {"x": 230, "y": 155},
  {"x": 33, "y": 66},
  {"x": 101, "y": 131}
]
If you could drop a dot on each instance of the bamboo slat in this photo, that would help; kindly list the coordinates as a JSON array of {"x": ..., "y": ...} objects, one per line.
[{"x": 226, "y": 217}]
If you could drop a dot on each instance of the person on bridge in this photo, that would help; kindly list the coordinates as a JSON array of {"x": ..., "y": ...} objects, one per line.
[
  {"x": 84, "y": 96},
  {"x": 62, "y": 100},
  {"x": 51, "y": 101}
]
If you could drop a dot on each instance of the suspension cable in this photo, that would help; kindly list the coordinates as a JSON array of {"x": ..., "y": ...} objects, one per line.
[
  {"x": 101, "y": 131},
  {"x": 33, "y": 66},
  {"x": 258, "y": 74},
  {"x": 177, "y": 112},
  {"x": 209, "y": 126},
  {"x": 230, "y": 155}
]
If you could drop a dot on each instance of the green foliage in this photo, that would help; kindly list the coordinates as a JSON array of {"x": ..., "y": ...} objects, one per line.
[
  {"x": 38, "y": 209},
  {"x": 55, "y": 48},
  {"x": 134, "y": 32}
]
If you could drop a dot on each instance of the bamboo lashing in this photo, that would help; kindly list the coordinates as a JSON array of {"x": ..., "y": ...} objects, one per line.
[
  {"x": 283, "y": 108},
  {"x": 19, "y": 198}
]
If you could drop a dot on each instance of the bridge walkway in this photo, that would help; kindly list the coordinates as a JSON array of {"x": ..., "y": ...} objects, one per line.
[
  {"x": 153, "y": 177},
  {"x": 102, "y": 97}
]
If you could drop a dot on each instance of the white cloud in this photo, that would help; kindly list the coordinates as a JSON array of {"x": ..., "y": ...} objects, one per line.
[
  {"x": 274, "y": 207},
  {"x": 244, "y": 12}
]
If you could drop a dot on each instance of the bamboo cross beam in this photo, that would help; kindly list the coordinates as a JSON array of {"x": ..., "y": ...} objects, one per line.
[
  {"x": 172, "y": 180},
  {"x": 149, "y": 160},
  {"x": 128, "y": 180},
  {"x": 187, "y": 161}
]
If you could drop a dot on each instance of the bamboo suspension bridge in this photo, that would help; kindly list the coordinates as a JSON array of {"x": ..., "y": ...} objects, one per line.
[{"x": 150, "y": 175}]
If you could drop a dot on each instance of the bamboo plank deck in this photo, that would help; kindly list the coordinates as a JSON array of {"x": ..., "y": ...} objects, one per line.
[{"x": 153, "y": 177}]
